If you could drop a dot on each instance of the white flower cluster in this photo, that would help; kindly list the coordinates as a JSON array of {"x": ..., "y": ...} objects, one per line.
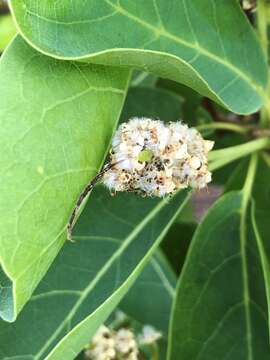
[
  {"x": 155, "y": 159},
  {"x": 122, "y": 344},
  {"x": 126, "y": 345},
  {"x": 110, "y": 345}
]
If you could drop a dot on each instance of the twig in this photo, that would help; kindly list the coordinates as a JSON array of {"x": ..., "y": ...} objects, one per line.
[{"x": 89, "y": 187}]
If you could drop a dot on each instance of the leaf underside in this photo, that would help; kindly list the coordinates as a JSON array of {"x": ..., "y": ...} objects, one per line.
[{"x": 168, "y": 39}]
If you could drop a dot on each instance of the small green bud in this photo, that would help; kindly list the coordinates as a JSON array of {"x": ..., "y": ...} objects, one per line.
[{"x": 145, "y": 156}]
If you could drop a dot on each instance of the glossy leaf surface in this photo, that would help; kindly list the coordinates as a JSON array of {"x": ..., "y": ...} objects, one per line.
[{"x": 165, "y": 38}]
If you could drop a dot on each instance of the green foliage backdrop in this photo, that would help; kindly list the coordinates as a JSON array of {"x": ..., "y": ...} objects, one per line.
[{"x": 73, "y": 71}]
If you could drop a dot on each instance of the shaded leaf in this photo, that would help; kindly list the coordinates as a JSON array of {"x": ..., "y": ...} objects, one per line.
[
  {"x": 191, "y": 99},
  {"x": 153, "y": 103},
  {"x": 166, "y": 39},
  {"x": 187, "y": 215},
  {"x": 157, "y": 281},
  {"x": 176, "y": 243},
  {"x": 238, "y": 175},
  {"x": 220, "y": 308},
  {"x": 56, "y": 122},
  {"x": 115, "y": 238},
  {"x": 260, "y": 220}
]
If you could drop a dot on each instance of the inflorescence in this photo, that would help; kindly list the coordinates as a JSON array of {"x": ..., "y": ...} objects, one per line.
[
  {"x": 152, "y": 158},
  {"x": 122, "y": 344}
]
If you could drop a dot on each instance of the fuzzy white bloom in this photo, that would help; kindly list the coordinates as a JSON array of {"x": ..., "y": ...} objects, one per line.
[
  {"x": 149, "y": 335},
  {"x": 249, "y": 5},
  {"x": 102, "y": 346},
  {"x": 156, "y": 159},
  {"x": 126, "y": 345},
  {"x": 108, "y": 344}
]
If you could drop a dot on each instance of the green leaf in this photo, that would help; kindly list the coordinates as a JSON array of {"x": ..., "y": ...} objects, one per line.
[
  {"x": 260, "y": 220},
  {"x": 157, "y": 281},
  {"x": 114, "y": 240},
  {"x": 56, "y": 122},
  {"x": 176, "y": 243},
  {"x": 191, "y": 99},
  {"x": 237, "y": 176},
  {"x": 152, "y": 103},
  {"x": 191, "y": 42},
  {"x": 7, "y": 30},
  {"x": 142, "y": 78},
  {"x": 220, "y": 308}
]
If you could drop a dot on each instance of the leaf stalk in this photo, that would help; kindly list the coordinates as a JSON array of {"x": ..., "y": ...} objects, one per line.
[
  {"x": 222, "y": 157},
  {"x": 224, "y": 126}
]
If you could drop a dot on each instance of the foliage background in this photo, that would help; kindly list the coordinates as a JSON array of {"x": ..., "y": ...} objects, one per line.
[{"x": 63, "y": 93}]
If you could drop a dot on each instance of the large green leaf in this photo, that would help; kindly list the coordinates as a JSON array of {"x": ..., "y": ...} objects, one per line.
[
  {"x": 56, "y": 121},
  {"x": 220, "y": 309},
  {"x": 260, "y": 219},
  {"x": 115, "y": 238},
  {"x": 207, "y": 45}
]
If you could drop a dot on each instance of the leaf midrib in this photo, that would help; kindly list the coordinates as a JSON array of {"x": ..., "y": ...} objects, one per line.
[
  {"x": 245, "y": 279},
  {"x": 246, "y": 193}
]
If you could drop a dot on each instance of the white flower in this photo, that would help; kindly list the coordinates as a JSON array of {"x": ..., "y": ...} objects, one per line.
[
  {"x": 156, "y": 159},
  {"x": 149, "y": 335},
  {"x": 110, "y": 345},
  {"x": 102, "y": 346},
  {"x": 125, "y": 342},
  {"x": 132, "y": 356},
  {"x": 249, "y": 4}
]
